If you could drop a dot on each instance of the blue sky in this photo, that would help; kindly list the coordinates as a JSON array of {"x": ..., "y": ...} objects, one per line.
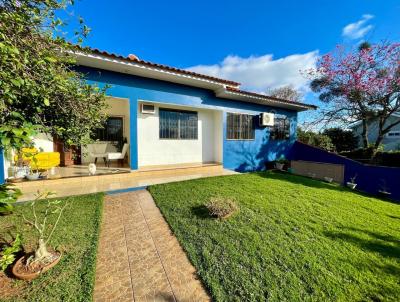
[{"x": 261, "y": 44}]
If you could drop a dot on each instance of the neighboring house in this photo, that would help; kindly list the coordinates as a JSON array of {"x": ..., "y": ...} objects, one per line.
[
  {"x": 171, "y": 116},
  {"x": 391, "y": 140}
]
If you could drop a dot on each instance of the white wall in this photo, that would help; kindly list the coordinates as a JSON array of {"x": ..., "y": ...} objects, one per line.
[
  {"x": 44, "y": 142},
  {"x": 116, "y": 107},
  {"x": 155, "y": 151}
]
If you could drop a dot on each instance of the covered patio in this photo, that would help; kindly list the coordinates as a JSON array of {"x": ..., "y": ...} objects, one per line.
[{"x": 121, "y": 182}]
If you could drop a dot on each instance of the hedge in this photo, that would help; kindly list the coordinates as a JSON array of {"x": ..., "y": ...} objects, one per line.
[{"x": 381, "y": 158}]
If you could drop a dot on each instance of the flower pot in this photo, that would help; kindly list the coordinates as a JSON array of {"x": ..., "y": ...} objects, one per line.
[
  {"x": 279, "y": 166},
  {"x": 19, "y": 269},
  {"x": 351, "y": 185},
  {"x": 34, "y": 176}
]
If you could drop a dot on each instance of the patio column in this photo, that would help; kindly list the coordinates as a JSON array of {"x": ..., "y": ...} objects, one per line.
[
  {"x": 133, "y": 106},
  {"x": 2, "y": 176}
]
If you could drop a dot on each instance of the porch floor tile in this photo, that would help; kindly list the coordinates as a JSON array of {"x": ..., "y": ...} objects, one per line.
[
  {"x": 139, "y": 259},
  {"x": 104, "y": 183}
]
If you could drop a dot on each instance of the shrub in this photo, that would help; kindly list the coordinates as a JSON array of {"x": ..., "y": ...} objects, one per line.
[
  {"x": 343, "y": 140},
  {"x": 9, "y": 252},
  {"x": 381, "y": 158},
  {"x": 8, "y": 195},
  {"x": 221, "y": 207}
]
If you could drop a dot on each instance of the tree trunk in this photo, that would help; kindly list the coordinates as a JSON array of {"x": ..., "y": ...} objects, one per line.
[
  {"x": 41, "y": 254},
  {"x": 378, "y": 141},
  {"x": 364, "y": 133}
]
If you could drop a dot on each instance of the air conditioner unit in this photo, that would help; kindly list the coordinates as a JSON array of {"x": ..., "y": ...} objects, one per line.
[
  {"x": 148, "y": 109},
  {"x": 266, "y": 119}
]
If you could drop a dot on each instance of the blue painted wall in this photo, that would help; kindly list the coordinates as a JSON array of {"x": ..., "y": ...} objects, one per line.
[
  {"x": 237, "y": 154},
  {"x": 1, "y": 166},
  {"x": 369, "y": 179}
]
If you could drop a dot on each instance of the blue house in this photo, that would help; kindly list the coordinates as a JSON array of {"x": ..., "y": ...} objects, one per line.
[{"x": 170, "y": 116}]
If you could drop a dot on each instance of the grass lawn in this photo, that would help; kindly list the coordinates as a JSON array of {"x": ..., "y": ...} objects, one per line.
[
  {"x": 294, "y": 239},
  {"x": 72, "y": 279}
]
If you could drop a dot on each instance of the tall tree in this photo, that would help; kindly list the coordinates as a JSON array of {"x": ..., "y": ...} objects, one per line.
[
  {"x": 287, "y": 93},
  {"x": 343, "y": 140},
  {"x": 360, "y": 85},
  {"x": 314, "y": 139},
  {"x": 38, "y": 85}
]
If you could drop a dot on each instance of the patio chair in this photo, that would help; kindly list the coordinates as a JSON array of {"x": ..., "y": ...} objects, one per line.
[
  {"x": 117, "y": 155},
  {"x": 98, "y": 150}
]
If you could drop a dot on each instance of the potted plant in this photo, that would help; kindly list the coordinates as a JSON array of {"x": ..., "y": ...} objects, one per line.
[
  {"x": 352, "y": 183},
  {"x": 384, "y": 191},
  {"x": 33, "y": 166},
  {"x": 281, "y": 162},
  {"x": 8, "y": 195},
  {"x": 41, "y": 260}
]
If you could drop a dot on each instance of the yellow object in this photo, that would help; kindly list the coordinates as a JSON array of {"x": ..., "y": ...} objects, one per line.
[{"x": 45, "y": 160}]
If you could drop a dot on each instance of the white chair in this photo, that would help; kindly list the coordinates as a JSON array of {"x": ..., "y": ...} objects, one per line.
[
  {"x": 97, "y": 150},
  {"x": 117, "y": 155}
]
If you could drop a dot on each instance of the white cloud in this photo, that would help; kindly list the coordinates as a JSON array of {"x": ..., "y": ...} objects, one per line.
[
  {"x": 358, "y": 29},
  {"x": 259, "y": 73}
]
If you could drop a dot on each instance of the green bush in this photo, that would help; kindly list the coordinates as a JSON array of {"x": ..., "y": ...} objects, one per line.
[{"x": 381, "y": 158}]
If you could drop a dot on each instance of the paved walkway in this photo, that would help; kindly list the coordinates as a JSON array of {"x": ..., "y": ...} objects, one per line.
[{"x": 139, "y": 259}]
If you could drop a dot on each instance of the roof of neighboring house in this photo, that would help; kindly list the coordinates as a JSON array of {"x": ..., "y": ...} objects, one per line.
[
  {"x": 131, "y": 64},
  {"x": 358, "y": 123}
]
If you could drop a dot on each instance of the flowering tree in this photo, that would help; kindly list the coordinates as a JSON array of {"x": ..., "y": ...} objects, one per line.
[{"x": 360, "y": 85}]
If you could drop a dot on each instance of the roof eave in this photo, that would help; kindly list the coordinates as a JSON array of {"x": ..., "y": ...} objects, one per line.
[
  {"x": 138, "y": 69},
  {"x": 221, "y": 90},
  {"x": 263, "y": 100}
]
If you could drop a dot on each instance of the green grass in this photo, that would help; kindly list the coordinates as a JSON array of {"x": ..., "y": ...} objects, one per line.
[
  {"x": 294, "y": 239},
  {"x": 72, "y": 279}
]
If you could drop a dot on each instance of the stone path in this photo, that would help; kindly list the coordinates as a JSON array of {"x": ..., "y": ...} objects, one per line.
[{"x": 139, "y": 259}]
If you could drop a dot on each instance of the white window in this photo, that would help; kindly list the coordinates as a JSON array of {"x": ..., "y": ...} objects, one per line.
[{"x": 393, "y": 134}]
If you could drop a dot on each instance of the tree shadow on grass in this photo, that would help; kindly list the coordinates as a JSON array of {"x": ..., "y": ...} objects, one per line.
[
  {"x": 201, "y": 212},
  {"x": 394, "y": 217},
  {"x": 315, "y": 183},
  {"x": 301, "y": 180},
  {"x": 386, "y": 245}
]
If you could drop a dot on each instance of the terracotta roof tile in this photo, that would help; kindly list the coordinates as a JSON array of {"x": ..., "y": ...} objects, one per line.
[{"x": 134, "y": 58}]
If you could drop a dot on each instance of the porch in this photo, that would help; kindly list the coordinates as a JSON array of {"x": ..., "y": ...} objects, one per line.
[{"x": 122, "y": 181}]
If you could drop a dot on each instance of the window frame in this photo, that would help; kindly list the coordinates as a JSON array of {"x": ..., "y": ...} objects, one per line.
[
  {"x": 178, "y": 124},
  {"x": 253, "y": 128},
  {"x": 395, "y": 136},
  {"x": 120, "y": 117},
  {"x": 287, "y": 122}
]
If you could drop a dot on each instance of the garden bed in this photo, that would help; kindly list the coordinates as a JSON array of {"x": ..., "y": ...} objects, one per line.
[
  {"x": 294, "y": 239},
  {"x": 76, "y": 236}
]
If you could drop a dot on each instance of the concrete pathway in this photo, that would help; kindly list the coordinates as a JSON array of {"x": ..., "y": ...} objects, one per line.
[{"x": 139, "y": 259}]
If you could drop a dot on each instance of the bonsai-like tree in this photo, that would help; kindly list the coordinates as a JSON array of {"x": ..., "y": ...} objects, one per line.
[
  {"x": 42, "y": 255},
  {"x": 360, "y": 85}
]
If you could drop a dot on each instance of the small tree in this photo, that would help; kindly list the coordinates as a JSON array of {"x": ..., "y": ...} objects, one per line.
[
  {"x": 42, "y": 255},
  {"x": 287, "y": 93},
  {"x": 360, "y": 85},
  {"x": 342, "y": 140},
  {"x": 315, "y": 139}
]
